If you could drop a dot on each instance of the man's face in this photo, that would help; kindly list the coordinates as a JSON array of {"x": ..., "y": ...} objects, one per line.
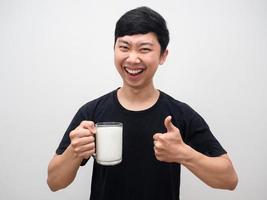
[{"x": 137, "y": 58}]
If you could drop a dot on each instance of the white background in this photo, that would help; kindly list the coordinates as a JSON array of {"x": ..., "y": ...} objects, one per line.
[{"x": 56, "y": 55}]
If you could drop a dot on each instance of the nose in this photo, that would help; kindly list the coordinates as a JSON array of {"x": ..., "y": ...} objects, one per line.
[{"x": 133, "y": 58}]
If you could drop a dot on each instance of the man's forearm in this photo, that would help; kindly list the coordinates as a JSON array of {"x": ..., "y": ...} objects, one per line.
[
  {"x": 62, "y": 170},
  {"x": 217, "y": 172}
]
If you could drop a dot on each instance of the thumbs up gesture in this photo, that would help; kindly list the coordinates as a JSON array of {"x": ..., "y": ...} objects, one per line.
[{"x": 169, "y": 147}]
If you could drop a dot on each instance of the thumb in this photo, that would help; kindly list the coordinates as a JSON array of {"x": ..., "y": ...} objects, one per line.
[{"x": 168, "y": 124}]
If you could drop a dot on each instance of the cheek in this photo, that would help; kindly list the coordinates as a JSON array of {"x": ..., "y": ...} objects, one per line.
[
  {"x": 118, "y": 63},
  {"x": 153, "y": 57},
  {"x": 118, "y": 58},
  {"x": 153, "y": 61}
]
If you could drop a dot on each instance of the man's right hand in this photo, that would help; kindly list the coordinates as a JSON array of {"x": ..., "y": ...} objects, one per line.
[
  {"x": 83, "y": 140},
  {"x": 63, "y": 168}
]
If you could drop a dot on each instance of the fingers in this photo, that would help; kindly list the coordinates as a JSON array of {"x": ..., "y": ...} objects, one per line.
[
  {"x": 80, "y": 150},
  {"x": 86, "y": 128},
  {"x": 158, "y": 143},
  {"x": 158, "y": 150},
  {"x": 89, "y": 125},
  {"x": 83, "y": 147},
  {"x": 83, "y": 140},
  {"x": 86, "y": 154},
  {"x": 78, "y": 143},
  {"x": 80, "y": 133},
  {"x": 157, "y": 136}
]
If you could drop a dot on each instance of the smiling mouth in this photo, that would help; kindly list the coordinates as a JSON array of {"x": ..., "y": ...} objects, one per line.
[{"x": 133, "y": 72}]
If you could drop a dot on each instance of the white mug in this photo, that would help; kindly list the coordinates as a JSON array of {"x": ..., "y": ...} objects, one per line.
[{"x": 109, "y": 143}]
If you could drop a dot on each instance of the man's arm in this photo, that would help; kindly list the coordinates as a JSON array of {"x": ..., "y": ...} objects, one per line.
[
  {"x": 217, "y": 172},
  {"x": 62, "y": 169}
]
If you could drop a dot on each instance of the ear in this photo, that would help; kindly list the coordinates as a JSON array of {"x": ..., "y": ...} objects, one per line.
[{"x": 163, "y": 57}]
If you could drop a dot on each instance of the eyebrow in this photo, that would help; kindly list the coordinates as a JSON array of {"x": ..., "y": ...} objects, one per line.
[
  {"x": 146, "y": 43},
  {"x": 140, "y": 44},
  {"x": 123, "y": 41}
]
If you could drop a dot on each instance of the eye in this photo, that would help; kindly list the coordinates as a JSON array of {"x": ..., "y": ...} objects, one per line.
[
  {"x": 123, "y": 48},
  {"x": 145, "y": 50}
]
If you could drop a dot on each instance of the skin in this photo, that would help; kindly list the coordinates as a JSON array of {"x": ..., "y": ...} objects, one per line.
[
  {"x": 138, "y": 52},
  {"x": 137, "y": 58}
]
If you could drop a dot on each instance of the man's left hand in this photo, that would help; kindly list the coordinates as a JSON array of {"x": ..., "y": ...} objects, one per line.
[{"x": 169, "y": 146}]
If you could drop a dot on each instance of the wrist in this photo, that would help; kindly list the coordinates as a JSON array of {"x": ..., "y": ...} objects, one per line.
[
  {"x": 190, "y": 155},
  {"x": 71, "y": 154}
]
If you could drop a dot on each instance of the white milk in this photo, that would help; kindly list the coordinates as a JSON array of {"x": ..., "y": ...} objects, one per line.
[{"x": 109, "y": 144}]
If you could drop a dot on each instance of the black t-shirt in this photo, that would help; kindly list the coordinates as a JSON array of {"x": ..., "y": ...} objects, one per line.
[{"x": 140, "y": 176}]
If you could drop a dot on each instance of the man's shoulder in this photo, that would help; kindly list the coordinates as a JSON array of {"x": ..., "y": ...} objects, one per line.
[
  {"x": 104, "y": 99},
  {"x": 173, "y": 101},
  {"x": 176, "y": 106}
]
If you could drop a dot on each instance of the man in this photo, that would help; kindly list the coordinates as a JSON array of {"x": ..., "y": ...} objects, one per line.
[{"x": 159, "y": 132}]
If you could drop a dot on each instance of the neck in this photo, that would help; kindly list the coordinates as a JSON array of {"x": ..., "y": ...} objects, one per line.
[{"x": 137, "y": 99}]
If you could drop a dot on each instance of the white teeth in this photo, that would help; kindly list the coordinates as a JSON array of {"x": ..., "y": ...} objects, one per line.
[{"x": 133, "y": 71}]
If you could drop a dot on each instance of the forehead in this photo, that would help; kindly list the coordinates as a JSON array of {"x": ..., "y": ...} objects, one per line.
[{"x": 137, "y": 39}]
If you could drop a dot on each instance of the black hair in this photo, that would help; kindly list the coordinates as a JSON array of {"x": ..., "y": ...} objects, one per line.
[{"x": 143, "y": 20}]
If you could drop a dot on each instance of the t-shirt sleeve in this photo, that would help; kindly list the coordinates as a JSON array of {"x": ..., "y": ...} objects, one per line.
[
  {"x": 200, "y": 137},
  {"x": 65, "y": 141}
]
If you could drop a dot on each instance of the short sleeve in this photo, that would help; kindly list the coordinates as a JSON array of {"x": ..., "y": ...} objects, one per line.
[
  {"x": 77, "y": 119},
  {"x": 65, "y": 141},
  {"x": 199, "y": 137}
]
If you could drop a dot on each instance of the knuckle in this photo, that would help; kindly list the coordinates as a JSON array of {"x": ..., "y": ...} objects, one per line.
[
  {"x": 74, "y": 148},
  {"x": 91, "y": 146},
  {"x": 158, "y": 145},
  {"x": 158, "y": 157},
  {"x": 83, "y": 123},
  {"x": 72, "y": 133},
  {"x": 74, "y": 143},
  {"x": 77, "y": 149},
  {"x": 92, "y": 152},
  {"x": 91, "y": 123},
  {"x": 91, "y": 138},
  {"x": 87, "y": 124}
]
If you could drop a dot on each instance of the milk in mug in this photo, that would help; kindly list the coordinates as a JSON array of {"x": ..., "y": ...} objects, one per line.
[{"x": 109, "y": 143}]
